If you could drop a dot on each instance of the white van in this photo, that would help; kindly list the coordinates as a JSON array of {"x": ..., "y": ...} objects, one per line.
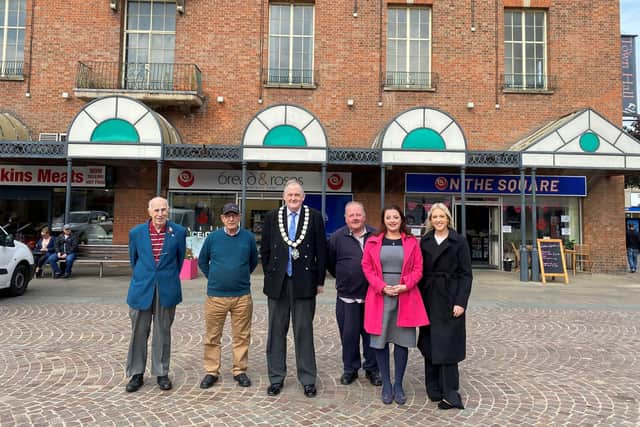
[{"x": 16, "y": 264}]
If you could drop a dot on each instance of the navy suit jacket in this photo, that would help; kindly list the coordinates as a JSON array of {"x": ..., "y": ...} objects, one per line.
[{"x": 147, "y": 276}]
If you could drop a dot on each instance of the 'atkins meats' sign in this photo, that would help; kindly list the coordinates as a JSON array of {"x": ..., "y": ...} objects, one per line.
[{"x": 53, "y": 176}]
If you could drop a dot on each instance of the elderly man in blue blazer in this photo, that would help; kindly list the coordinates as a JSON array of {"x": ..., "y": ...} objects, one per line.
[{"x": 156, "y": 250}]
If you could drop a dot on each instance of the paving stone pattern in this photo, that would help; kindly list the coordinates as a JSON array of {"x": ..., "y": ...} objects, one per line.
[{"x": 529, "y": 363}]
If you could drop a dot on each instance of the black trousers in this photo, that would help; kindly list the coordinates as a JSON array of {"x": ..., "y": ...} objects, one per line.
[
  {"x": 301, "y": 312},
  {"x": 350, "y": 317},
  {"x": 443, "y": 382}
]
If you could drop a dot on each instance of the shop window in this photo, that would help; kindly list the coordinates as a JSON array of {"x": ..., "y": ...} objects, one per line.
[
  {"x": 13, "y": 17},
  {"x": 417, "y": 208},
  {"x": 556, "y": 218},
  {"x": 91, "y": 214}
]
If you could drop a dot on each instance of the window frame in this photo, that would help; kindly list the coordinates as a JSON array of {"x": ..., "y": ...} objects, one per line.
[
  {"x": 152, "y": 70},
  {"x": 526, "y": 82},
  {"x": 307, "y": 77},
  {"x": 16, "y": 72},
  {"x": 392, "y": 83}
]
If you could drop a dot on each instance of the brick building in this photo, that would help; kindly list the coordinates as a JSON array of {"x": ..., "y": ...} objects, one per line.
[{"x": 377, "y": 101}]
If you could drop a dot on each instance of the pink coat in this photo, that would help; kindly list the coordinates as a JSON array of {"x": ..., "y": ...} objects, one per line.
[{"x": 411, "y": 311}]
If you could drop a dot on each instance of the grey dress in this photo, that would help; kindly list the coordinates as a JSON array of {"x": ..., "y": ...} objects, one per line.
[{"x": 391, "y": 257}]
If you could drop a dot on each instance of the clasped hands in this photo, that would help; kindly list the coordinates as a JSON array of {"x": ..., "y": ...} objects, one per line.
[{"x": 394, "y": 290}]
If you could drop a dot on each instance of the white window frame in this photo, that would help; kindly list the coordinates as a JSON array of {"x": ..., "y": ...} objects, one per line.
[
  {"x": 539, "y": 80},
  {"x": 151, "y": 69},
  {"x": 5, "y": 69},
  {"x": 292, "y": 79},
  {"x": 411, "y": 78}
]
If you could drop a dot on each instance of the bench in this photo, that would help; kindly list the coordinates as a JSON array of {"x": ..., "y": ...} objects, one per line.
[{"x": 103, "y": 254}]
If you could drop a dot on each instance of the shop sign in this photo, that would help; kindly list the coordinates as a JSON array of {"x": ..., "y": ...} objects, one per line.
[
  {"x": 495, "y": 184},
  {"x": 206, "y": 179},
  {"x": 55, "y": 176}
]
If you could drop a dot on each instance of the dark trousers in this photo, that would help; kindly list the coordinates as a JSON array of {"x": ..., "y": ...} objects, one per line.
[
  {"x": 350, "y": 317},
  {"x": 443, "y": 382},
  {"x": 301, "y": 312}
]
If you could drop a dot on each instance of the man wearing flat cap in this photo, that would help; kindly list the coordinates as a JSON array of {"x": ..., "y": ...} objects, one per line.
[
  {"x": 66, "y": 247},
  {"x": 227, "y": 258}
]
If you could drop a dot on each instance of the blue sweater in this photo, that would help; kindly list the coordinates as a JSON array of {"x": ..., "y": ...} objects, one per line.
[{"x": 227, "y": 262}]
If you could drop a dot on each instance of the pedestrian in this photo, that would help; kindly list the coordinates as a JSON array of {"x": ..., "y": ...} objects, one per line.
[
  {"x": 293, "y": 253},
  {"x": 445, "y": 287},
  {"x": 227, "y": 258},
  {"x": 393, "y": 308},
  {"x": 156, "y": 251},
  {"x": 344, "y": 262},
  {"x": 45, "y": 247},
  {"x": 66, "y": 249},
  {"x": 633, "y": 244}
]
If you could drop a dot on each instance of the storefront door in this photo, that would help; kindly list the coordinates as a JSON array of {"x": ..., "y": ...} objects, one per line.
[{"x": 483, "y": 232}]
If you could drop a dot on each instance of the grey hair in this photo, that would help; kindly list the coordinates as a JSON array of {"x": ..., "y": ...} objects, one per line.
[
  {"x": 292, "y": 181},
  {"x": 158, "y": 199},
  {"x": 354, "y": 203}
]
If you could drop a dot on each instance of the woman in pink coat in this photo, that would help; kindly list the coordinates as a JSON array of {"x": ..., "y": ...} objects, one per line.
[{"x": 393, "y": 308}]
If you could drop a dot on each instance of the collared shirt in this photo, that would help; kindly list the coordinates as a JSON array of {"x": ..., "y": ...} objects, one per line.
[
  {"x": 157, "y": 240},
  {"x": 231, "y": 234}
]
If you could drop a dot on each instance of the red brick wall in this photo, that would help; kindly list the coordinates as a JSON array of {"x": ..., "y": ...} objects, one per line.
[{"x": 224, "y": 39}]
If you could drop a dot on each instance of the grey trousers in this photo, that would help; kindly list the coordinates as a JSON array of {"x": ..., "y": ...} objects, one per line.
[
  {"x": 301, "y": 311},
  {"x": 162, "y": 318}
]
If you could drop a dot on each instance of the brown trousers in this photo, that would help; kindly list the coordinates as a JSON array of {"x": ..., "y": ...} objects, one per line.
[{"x": 215, "y": 314}]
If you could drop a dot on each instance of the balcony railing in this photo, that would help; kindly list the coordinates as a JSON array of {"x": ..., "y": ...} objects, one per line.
[
  {"x": 410, "y": 80},
  {"x": 154, "y": 83},
  {"x": 11, "y": 69},
  {"x": 528, "y": 82},
  {"x": 290, "y": 77}
]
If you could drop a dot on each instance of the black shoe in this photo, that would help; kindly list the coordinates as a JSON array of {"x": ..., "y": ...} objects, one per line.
[
  {"x": 387, "y": 395},
  {"x": 208, "y": 381},
  {"x": 274, "y": 389},
  {"x": 57, "y": 275},
  {"x": 444, "y": 404},
  {"x": 348, "y": 378},
  {"x": 164, "y": 382},
  {"x": 38, "y": 274},
  {"x": 435, "y": 397},
  {"x": 66, "y": 275},
  {"x": 374, "y": 377},
  {"x": 135, "y": 383},
  {"x": 310, "y": 390},
  {"x": 243, "y": 380}
]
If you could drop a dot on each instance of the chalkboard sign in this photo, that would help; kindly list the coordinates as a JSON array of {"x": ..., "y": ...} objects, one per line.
[{"x": 552, "y": 259}]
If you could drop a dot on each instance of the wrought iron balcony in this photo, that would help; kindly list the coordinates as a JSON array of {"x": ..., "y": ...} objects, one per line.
[
  {"x": 528, "y": 82},
  {"x": 290, "y": 77},
  {"x": 410, "y": 80},
  {"x": 152, "y": 83},
  {"x": 22, "y": 149},
  {"x": 11, "y": 70}
]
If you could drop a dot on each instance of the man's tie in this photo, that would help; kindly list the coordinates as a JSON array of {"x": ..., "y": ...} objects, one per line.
[{"x": 292, "y": 236}]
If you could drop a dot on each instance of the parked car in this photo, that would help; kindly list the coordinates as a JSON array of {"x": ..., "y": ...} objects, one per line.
[
  {"x": 16, "y": 264},
  {"x": 91, "y": 226}
]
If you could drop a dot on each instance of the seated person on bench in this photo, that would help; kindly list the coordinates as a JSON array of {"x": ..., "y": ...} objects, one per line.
[{"x": 66, "y": 250}]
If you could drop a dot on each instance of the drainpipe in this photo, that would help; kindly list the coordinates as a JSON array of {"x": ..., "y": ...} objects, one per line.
[
  {"x": 463, "y": 209},
  {"x": 323, "y": 197},
  {"x": 159, "y": 179}
]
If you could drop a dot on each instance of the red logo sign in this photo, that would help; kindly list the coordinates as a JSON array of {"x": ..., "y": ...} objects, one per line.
[
  {"x": 441, "y": 183},
  {"x": 186, "y": 179},
  {"x": 335, "y": 182}
]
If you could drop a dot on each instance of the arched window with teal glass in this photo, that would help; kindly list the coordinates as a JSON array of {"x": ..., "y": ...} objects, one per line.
[
  {"x": 423, "y": 139},
  {"x": 285, "y": 136},
  {"x": 115, "y": 130}
]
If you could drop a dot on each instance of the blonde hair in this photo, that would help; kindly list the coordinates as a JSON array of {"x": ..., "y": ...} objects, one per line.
[{"x": 444, "y": 209}]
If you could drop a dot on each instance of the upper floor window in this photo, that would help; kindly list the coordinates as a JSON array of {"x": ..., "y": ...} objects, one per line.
[
  {"x": 409, "y": 48},
  {"x": 12, "y": 29},
  {"x": 290, "y": 44},
  {"x": 525, "y": 36},
  {"x": 150, "y": 39}
]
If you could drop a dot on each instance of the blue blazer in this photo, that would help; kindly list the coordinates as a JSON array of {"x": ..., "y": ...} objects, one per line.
[
  {"x": 50, "y": 249},
  {"x": 147, "y": 276}
]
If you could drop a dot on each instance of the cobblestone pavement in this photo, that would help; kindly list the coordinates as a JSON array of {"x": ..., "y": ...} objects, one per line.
[{"x": 537, "y": 356}]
